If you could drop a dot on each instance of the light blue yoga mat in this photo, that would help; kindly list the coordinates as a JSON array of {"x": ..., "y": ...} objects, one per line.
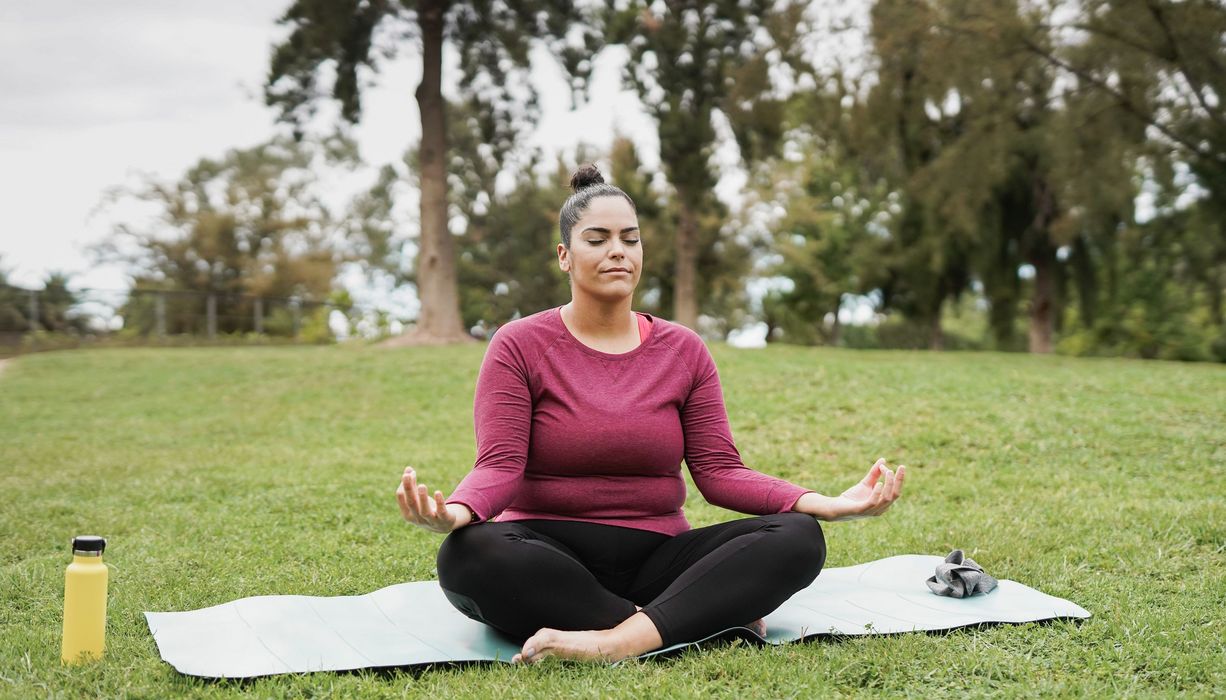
[{"x": 412, "y": 623}]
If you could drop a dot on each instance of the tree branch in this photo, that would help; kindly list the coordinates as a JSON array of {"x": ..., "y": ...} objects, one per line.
[
  {"x": 1178, "y": 56},
  {"x": 1124, "y": 102}
]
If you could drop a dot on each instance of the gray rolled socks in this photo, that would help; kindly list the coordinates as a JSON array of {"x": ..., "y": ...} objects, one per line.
[{"x": 959, "y": 577}]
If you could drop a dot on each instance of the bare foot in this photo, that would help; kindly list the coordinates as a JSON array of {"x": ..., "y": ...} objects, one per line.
[
  {"x": 580, "y": 646},
  {"x": 636, "y": 635},
  {"x": 759, "y": 627}
]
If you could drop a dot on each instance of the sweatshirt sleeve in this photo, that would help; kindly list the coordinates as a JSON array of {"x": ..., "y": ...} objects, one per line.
[
  {"x": 502, "y": 419},
  {"x": 712, "y": 457}
]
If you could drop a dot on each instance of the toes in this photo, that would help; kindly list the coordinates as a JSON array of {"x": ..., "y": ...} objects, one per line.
[
  {"x": 528, "y": 652},
  {"x": 535, "y": 645}
]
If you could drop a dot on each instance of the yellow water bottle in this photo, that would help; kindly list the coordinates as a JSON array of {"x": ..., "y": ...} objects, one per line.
[{"x": 85, "y": 601}]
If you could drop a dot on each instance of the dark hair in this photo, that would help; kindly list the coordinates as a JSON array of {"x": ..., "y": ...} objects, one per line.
[{"x": 588, "y": 184}]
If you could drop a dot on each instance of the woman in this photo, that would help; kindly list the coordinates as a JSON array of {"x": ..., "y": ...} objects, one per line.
[{"x": 583, "y": 414}]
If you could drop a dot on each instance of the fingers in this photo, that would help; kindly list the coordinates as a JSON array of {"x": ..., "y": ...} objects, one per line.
[
  {"x": 405, "y": 495},
  {"x": 410, "y": 491},
  {"x": 883, "y": 485},
  {"x": 891, "y": 489},
  {"x": 402, "y": 499},
  {"x": 416, "y": 494},
  {"x": 420, "y": 507},
  {"x": 882, "y": 494},
  {"x": 423, "y": 502},
  {"x": 874, "y": 501},
  {"x": 414, "y": 505},
  {"x": 414, "y": 497},
  {"x": 446, "y": 518},
  {"x": 874, "y": 472}
]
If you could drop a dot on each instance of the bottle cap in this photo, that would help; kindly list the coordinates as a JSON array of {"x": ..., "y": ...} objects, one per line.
[{"x": 89, "y": 545}]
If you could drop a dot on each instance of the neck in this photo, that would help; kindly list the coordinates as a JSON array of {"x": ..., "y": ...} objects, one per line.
[{"x": 599, "y": 319}]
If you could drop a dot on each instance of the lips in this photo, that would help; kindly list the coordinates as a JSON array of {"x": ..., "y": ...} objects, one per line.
[{"x": 618, "y": 269}]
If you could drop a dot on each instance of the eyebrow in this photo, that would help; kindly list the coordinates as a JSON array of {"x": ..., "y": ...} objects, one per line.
[{"x": 599, "y": 229}]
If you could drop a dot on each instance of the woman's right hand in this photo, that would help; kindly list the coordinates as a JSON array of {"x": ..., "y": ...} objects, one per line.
[{"x": 419, "y": 508}]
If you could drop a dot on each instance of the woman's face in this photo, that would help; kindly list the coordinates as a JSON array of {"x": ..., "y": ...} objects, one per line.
[{"x": 605, "y": 238}]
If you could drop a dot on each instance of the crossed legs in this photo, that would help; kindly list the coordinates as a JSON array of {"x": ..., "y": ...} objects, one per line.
[{"x": 574, "y": 589}]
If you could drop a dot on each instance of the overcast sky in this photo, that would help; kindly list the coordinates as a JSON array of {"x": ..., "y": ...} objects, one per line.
[{"x": 95, "y": 94}]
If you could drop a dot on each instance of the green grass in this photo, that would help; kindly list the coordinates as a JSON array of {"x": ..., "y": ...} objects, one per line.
[{"x": 223, "y": 473}]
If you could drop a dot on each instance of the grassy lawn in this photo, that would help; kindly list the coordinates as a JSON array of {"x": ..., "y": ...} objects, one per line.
[{"x": 222, "y": 473}]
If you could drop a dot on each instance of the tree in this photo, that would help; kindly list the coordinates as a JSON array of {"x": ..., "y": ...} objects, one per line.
[
  {"x": 493, "y": 41},
  {"x": 14, "y": 307},
  {"x": 999, "y": 184},
  {"x": 826, "y": 238},
  {"x": 692, "y": 62},
  {"x": 58, "y": 310},
  {"x": 1128, "y": 86},
  {"x": 11, "y": 318},
  {"x": 1012, "y": 146},
  {"x": 979, "y": 131},
  {"x": 722, "y": 261},
  {"x": 1162, "y": 64},
  {"x": 56, "y": 305},
  {"x": 901, "y": 133},
  {"x": 249, "y": 223},
  {"x": 507, "y": 263}
]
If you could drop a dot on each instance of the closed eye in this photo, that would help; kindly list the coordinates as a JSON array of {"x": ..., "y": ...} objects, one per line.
[{"x": 628, "y": 241}]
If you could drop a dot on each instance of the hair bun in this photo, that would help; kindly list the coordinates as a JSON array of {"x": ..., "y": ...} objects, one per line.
[{"x": 586, "y": 176}]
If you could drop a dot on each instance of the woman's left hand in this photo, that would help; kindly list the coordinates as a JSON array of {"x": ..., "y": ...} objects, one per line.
[{"x": 872, "y": 495}]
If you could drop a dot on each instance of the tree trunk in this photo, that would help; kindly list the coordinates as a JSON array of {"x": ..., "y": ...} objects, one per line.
[
  {"x": 770, "y": 318},
  {"x": 936, "y": 336},
  {"x": 1087, "y": 282},
  {"x": 770, "y": 332},
  {"x": 685, "y": 277},
  {"x": 438, "y": 291},
  {"x": 836, "y": 329},
  {"x": 1001, "y": 316},
  {"x": 1216, "y": 282},
  {"x": 1043, "y": 300},
  {"x": 1042, "y": 256}
]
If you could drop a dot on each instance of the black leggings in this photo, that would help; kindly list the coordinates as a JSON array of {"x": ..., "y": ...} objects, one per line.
[{"x": 523, "y": 575}]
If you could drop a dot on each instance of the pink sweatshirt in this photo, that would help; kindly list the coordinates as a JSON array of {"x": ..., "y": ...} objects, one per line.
[{"x": 566, "y": 432}]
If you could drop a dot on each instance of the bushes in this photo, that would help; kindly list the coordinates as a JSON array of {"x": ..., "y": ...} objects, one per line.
[{"x": 1148, "y": 332}]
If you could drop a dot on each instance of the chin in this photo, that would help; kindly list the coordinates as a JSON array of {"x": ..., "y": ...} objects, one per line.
[{"x": 613, "y": 294}]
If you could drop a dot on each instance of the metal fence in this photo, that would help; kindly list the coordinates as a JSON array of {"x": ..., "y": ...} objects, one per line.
[{"x": 162, "y": 313}]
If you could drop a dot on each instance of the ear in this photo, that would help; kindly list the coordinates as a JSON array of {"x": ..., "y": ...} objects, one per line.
[{"x": 563, "y": 258}]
